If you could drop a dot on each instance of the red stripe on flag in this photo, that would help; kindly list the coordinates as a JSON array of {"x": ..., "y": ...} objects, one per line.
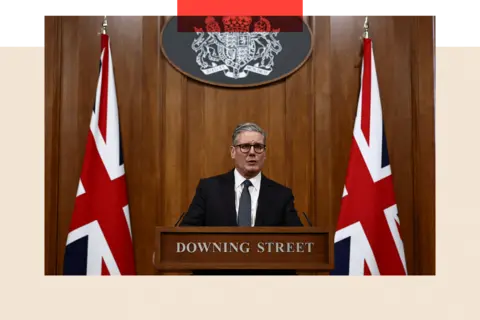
[
  {"x": 367, "y": 88},
  {"x": 104, "y": 269},
  {"x": 244, "y": 7},
  {"x": 102, "y": 114}
]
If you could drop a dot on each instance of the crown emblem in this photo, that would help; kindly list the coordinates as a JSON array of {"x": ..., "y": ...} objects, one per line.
[
  {"x": 237, "y": 24},
  {"x": 212, "y": 25},
  {"x": 240, "y": 24}
]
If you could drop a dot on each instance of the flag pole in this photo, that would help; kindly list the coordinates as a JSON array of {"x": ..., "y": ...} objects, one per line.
[
  {"x": 365, "y": 28},
  {"x": 364, "y": 36},
  {"x": 104, "y": 26}
]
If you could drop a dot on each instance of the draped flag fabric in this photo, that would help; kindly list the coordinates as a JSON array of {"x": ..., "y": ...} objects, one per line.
[
  {"x": 367, "y": 238},
  {"x": 99, "y": 241}
]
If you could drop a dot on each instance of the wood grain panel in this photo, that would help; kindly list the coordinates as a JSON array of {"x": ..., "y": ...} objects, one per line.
[
  {"x": 322, "y": 141},
  {"x": 53, "y": 76},
  {"x": 299, "y": 129},
  {"x": 275, "y": 125},
  {"x": 177, "y": 130},
  {"x": 197, "y": 153},
  {"x": 423, "y": 90},
  {"x": 151, "y": 110},
  {"x": 175, "y": 144}
]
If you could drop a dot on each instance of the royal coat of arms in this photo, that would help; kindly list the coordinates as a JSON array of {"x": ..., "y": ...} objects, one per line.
[{"x": 236, "y": 51}]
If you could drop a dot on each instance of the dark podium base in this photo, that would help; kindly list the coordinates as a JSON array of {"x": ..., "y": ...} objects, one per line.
[{"x": 244, "y": 273}]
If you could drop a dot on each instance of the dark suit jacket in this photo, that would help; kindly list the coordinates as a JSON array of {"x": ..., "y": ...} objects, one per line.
[{"x": 214, "y": 205}]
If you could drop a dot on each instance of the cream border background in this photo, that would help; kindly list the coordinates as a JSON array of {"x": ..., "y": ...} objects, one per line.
[
  {"x": 20, "y": 42},
  {"x": 459, "y": 42},
  {"x": 27, "y": 294}
]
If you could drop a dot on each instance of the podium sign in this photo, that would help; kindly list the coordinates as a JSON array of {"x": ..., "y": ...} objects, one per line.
[{"x": 257, "y": 248}]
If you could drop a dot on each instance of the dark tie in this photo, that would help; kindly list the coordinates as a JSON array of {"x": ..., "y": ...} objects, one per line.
[{"x": 245, "y": 206}]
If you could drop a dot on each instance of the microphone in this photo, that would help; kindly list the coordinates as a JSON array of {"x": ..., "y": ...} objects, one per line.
[
  {"x": 180, "y": 219},
  {"x": 308, "y": 220}
]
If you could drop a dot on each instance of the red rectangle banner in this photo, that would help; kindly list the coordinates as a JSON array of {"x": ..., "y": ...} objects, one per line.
[{"x": 240, "y": 8}]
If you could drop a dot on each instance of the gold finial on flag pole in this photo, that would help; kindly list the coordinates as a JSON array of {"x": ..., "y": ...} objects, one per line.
[
  {"x": 365, "y": 28},
  {"x": 104, "y": 25},
  {"x": 364, "y": 36}
]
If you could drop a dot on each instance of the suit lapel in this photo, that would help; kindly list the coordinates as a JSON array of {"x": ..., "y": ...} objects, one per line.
[
  {"x": 228, "y": 192},
  {"x": 263, "y": 200}
]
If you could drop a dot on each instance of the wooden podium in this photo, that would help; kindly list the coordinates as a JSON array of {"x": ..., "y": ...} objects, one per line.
[{"x": 184, "y": 249}]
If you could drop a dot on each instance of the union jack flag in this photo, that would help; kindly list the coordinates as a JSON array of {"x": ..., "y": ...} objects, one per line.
[
  {"x": 99, "y": 241},
  {"x": 367, "y": 238}
]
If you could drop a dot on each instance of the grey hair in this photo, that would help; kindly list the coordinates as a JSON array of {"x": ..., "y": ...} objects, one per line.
[{"x": 248, "y": 126}]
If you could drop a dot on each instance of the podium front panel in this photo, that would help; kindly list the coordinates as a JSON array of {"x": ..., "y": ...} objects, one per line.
[{"x": 197, "y": 248}]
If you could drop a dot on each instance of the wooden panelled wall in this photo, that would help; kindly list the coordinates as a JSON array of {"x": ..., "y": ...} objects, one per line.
[{"x": 176, "y": 131}]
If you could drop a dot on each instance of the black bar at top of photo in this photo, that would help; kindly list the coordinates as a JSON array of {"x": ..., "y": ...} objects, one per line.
[{"x": 460, "y": 24}]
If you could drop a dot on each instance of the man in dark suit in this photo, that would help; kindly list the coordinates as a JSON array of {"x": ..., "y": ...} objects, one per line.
[{"x": 243, "y": 196}]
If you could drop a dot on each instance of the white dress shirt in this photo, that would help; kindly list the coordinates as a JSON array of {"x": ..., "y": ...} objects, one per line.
[{"x": 254, "y": 191}]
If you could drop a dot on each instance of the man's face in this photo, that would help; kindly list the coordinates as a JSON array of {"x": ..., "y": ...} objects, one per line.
[{"x": 248, "y": 163}]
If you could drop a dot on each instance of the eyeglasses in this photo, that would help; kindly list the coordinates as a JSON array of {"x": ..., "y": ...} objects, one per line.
[{"x": 246, "y": 147}]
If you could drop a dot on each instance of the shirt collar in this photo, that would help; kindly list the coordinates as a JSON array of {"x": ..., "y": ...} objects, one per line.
[{"x": 255, "y": 180}]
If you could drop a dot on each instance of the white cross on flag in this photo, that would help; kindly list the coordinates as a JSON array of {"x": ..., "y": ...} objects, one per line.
[
  {"x": 367, "y": 238},
  {"x": 99, "y": 241}
]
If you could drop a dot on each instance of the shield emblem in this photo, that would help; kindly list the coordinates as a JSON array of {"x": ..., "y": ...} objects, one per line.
[
  {"x": 238, "y": 47},
  {"x": 243, "y": 49}
]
